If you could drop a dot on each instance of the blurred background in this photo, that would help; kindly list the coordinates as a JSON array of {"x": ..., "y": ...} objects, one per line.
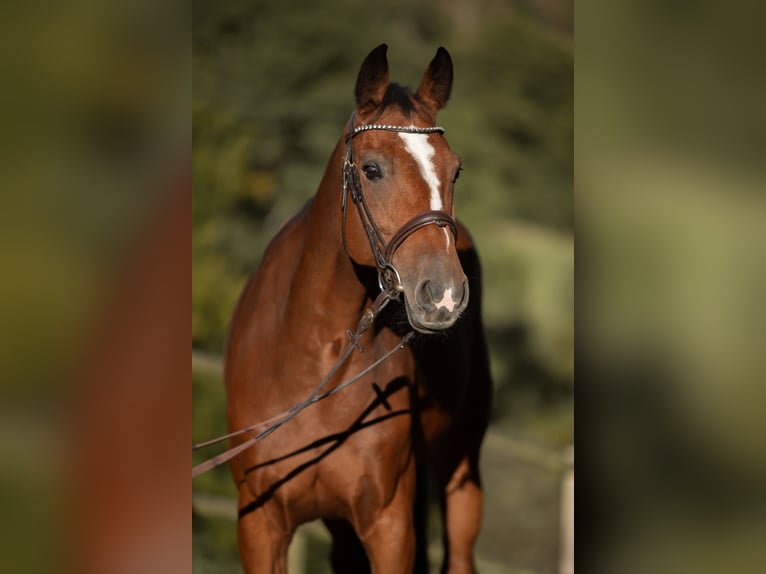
[
  {"x": 94, "y": 193},
  {"x": 671, "y": 273},
  {"x": 272, "y": 89},
  {"x": 670, "y": 173}
]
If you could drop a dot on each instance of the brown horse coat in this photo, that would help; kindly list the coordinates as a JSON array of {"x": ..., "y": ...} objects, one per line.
[{"x": 351, "y": 459}]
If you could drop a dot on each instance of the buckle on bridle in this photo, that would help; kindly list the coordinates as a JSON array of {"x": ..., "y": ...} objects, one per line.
[{"x": 351, "y": 180}]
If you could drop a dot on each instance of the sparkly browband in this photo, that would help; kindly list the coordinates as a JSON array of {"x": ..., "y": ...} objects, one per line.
[{"x": 403, "y": 129}]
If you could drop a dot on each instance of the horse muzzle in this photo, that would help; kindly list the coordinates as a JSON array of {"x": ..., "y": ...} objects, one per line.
[{"x": 435, "y": 306}]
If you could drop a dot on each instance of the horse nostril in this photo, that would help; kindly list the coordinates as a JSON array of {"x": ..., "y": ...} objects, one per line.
[
  {"x": 464, "y": 295},
  {"x": 423, "y": 295},
  {"x": 432, "y": 296}
]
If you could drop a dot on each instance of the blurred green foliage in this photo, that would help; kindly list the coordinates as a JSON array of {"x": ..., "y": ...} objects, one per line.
[{"x": 670, "y": 183}]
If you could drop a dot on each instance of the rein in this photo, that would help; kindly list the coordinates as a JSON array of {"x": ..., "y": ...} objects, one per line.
[{"x": 389, "y": 282}]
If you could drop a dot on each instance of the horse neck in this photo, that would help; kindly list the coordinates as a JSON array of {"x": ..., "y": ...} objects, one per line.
[{"x": 327, "y": 279}]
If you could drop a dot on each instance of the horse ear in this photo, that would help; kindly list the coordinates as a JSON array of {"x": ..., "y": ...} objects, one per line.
[
  {"x": 435, "y": 88},
  {"x": 372, "y": 81}
]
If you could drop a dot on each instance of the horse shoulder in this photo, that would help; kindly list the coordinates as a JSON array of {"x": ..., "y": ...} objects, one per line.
[{"x": 258, "y": 310}]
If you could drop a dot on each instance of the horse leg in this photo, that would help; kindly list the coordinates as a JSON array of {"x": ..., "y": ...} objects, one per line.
[
  {"x": 390, "y": 537},
  {"x": 262, "y": 541},
  {"x": 456, "y": 461},
  {"x": 462, "y": 507},
  {"x": 421, "y": 507},
  {"x": 347, "y": 555}
]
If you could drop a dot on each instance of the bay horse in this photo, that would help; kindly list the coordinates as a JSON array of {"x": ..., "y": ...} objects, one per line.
[{"x": 356, "y": 459}]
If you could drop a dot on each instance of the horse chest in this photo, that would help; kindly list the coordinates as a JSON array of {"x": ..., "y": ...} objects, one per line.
[{"x": 352, "y": 451}]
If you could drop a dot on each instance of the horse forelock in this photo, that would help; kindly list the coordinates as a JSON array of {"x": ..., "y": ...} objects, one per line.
[{"x": 401, "y": 98}]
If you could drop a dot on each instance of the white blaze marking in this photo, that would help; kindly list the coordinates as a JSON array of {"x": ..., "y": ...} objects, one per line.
[
  {"x": 447, "y": 301},
  {"x": 423, "y": 152}
]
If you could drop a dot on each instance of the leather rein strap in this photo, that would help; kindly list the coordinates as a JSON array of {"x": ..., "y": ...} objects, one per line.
[{"x": 388, "y": 276}]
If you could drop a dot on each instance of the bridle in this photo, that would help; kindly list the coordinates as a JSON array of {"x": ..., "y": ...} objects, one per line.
[{"x": 388, "y": 276}]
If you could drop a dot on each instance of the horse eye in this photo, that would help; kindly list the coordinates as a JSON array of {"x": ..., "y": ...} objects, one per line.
[
  {"x": 457, "y": 174},
  {"x": 372, "y": 171}
]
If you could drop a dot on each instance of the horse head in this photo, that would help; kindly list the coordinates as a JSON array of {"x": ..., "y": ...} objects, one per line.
[{"x": 401, "y": 173}]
